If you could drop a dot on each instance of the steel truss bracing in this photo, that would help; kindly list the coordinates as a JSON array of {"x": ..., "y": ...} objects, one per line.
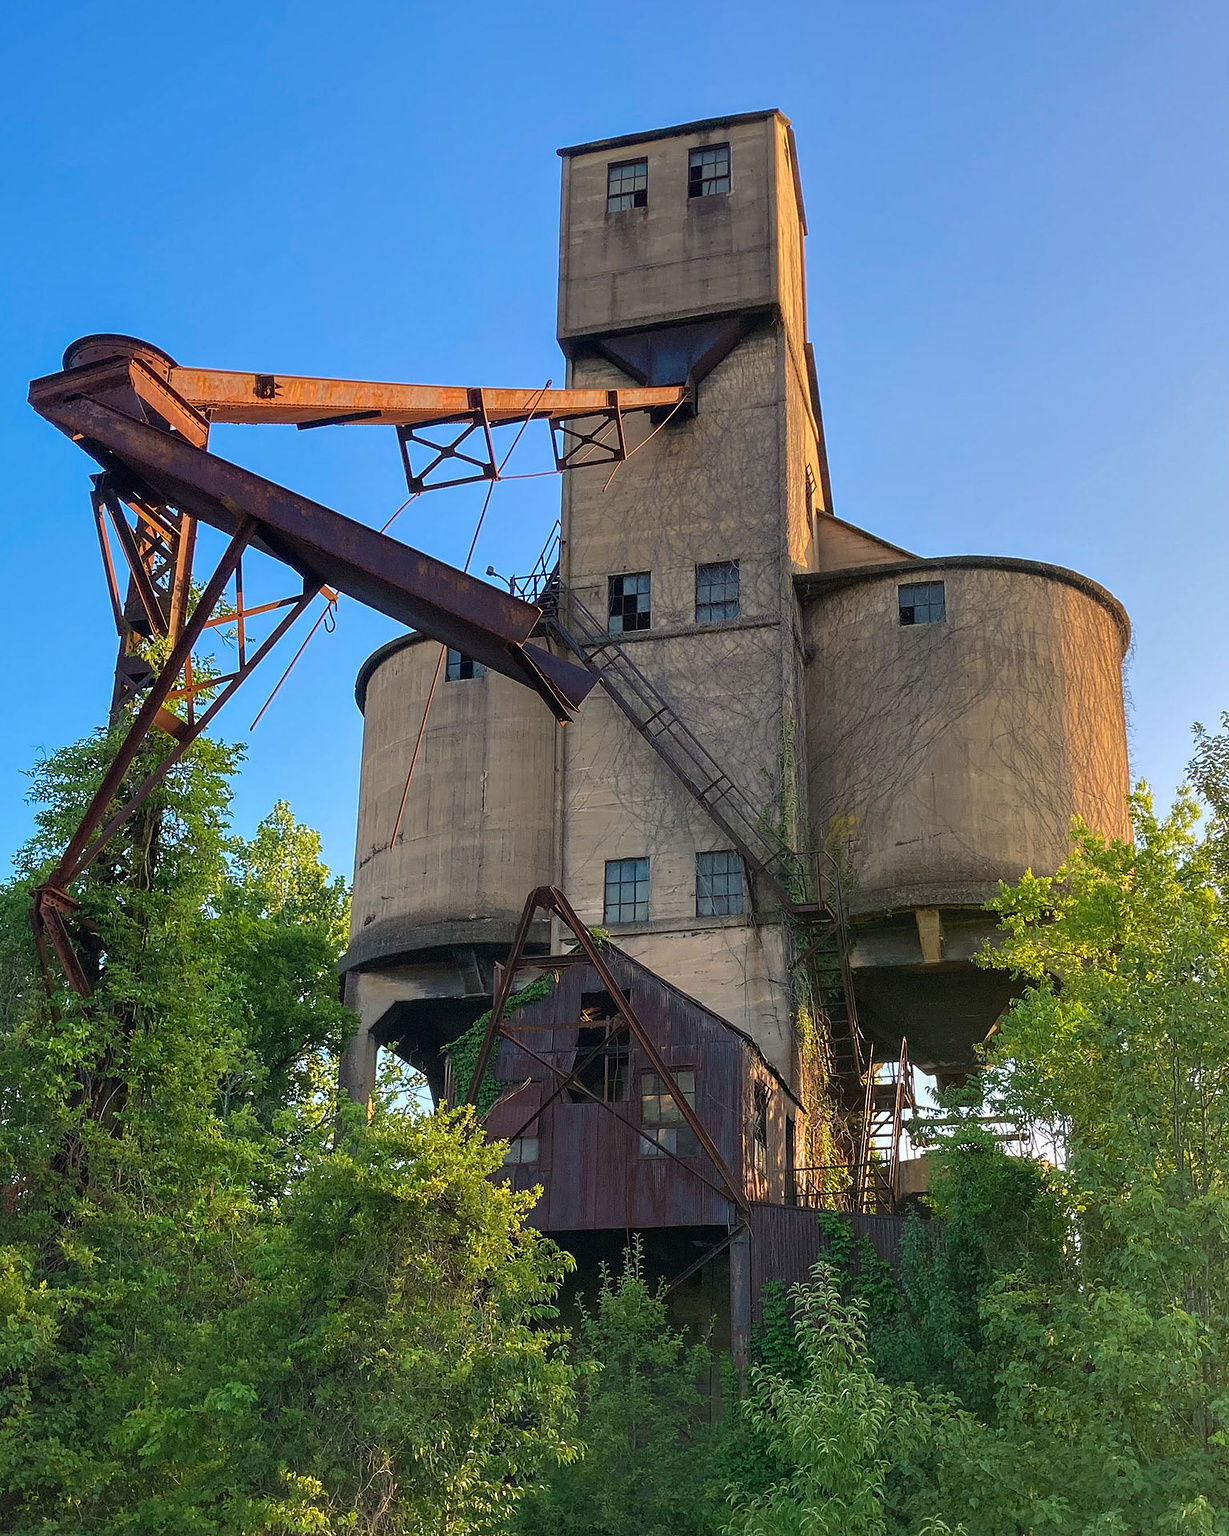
[
  {"x": 146, "y": 421},
  {"x": 551, "y": 899}
]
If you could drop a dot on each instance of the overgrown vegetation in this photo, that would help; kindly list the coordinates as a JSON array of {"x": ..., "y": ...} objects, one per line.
[
  {"x": 210, "y": 1320},
  {"x": 215, "y": 1318}
]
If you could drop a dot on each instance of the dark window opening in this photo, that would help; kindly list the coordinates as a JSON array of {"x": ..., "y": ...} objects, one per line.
[
  {"x": 717, "y": 592},
  {"x": 603, "y": 1046},
  {"x": 922, "y": 603},
  {"x": 630, "y": 604},
  {"x": 811, "y": 489},
  {"x": 719, "y": 884},
  {"x": 708, "y": 170},
  {"x": 759, "y": 1130},
  {"x": 791, "y": 1162},
  {"x": 661, "y": 1118},
  {"x": 459, "y": 667},
  {"x": 627, "y": 891},
  {"x": 627, "y": 185}
]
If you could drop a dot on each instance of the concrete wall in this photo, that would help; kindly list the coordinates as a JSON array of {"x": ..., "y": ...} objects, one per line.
[
  {"x": 679, "y": 257},
  {"x": 478, "y": 830},
  {"x": 949, "y": 756}
]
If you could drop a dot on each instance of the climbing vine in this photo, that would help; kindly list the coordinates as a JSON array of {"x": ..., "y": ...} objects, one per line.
[{"x": 463, "y": 1052}]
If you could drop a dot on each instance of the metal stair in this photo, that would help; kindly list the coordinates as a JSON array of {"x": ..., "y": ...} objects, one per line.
[
  {"x": 806, "y": 887},
  {"x": 772, "y": 866}
]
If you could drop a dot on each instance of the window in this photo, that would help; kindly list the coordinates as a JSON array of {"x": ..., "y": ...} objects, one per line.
[
  {"x": 719, "y": 884},
  {"x": 627, "y": 891},
  {"x": 662, "y": 1119},
  {"x": 523, "y": 1150},
  {"x": 791, "y": 1162},
  {"x": 630, "y": 602},
  {"x": 759, "y": 1130},
  {"x": 811, "y": 489},
  {"x": 708, "y": 170},
  {"x": 627, "y": 185},
  {"x": 603, "y": 1045},
  {"x": 922, "y": 603},
  {"x": 717, "y": 592},
  {"x": 458, "y": 667}
]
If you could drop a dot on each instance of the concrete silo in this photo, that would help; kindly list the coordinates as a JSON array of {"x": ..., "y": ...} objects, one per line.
[{"x": 959, "y": 713}]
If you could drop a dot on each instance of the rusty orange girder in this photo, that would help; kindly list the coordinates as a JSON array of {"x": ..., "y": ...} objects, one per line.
[{"x": 146, "y": 421}]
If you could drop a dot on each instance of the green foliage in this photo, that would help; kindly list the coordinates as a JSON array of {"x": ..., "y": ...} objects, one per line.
[
  {"x": 463, "y": 1052},
  {"x": 849, "y": 1454},
  {"x": 864, "y": 1275},
  {"x": 998, "y": 1217},
  {"x": 642, "y": 1430},
  {"x": 210, "y": 1321},
  {"x": 280, "y": 923}
]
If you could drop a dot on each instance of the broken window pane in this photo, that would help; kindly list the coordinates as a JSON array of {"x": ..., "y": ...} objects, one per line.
[
  {"x": 603, "y": 1047},
  {"x": 719, "y": 884},
  {"x": 523, "y": 1150},
  {"x": 458, "y": 667},
  {"x": 630, "y": 605},
  {"x": 627, "y": 891},
  {"x": 717, "y": 592},
  {"x": 922, "y": 603},
  {"x": 627, "y": 185},
  {"x": 662, "y": 1119},
  {"x": 708, "y": 170}
]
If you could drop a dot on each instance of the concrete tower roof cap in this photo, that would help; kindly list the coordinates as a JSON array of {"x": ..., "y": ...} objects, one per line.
[{"x": 700, "y": 126}]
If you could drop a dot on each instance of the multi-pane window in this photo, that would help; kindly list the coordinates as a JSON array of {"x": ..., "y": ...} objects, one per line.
[
  {"x": 627, "y": 185},
  {"x": 708, "y": 170},
  {"x": 627, "y": 891},
  {"x": 717, "y": 592},
  {"x": 603, "y": 1047},
  {"x": 630, "y": 605},
  {"x": 922, "y": 603},
  {"x": 458, "y": 667},
  {"x": 661, "y": 1119},
  {"x": 523, "y": 1150},
  {"x": 719, "y": 884},
  {"x": 759, "y": 1129}
]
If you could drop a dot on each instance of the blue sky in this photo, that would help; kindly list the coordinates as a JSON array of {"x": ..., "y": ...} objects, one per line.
[{"x": 1018, "y": 265}]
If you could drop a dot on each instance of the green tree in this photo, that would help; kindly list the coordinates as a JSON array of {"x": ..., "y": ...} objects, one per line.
[
  {"x": 643, "y": 1426},
  {"x": 208, "y": 1321},
  {"x": 850, "y": 1455}
]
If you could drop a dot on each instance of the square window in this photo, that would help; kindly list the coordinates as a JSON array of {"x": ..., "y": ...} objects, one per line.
[
  {"x": 661, "y": 1118},
  {"x": 708, "y": 170},
  {"x": 523, "y": 1150},
  {"x": 627, "y": 185},
  {"x": 719, "y": 884},
  {"x": 630, "y": 605},
  {"x": 459, "y": 667},
  {"x": 717, "y": 592},
  {"x": 627, "y": 891},
  {"x": 922, "y": 603}
]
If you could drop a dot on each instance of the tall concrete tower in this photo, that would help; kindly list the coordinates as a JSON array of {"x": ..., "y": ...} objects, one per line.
[{"x": 681, "y": 257}]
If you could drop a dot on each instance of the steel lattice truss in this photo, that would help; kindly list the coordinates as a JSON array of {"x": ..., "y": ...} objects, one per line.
[{"x": 146, "y": 421}]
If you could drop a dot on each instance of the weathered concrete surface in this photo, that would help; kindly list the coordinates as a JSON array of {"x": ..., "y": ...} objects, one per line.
[
  {"x": 950, "y": 756},
  {"x": 731, "y": 484}
]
